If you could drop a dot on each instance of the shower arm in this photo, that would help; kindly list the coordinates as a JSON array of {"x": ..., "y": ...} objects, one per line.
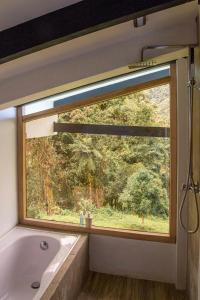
[
  {"x": 161, "y": 47},
  {"x": 157, "y": 47}
]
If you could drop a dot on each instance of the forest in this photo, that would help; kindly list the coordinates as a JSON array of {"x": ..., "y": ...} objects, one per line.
[{"x": 122, "y": 180}]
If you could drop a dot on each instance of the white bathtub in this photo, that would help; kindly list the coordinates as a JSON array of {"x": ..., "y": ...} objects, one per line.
[{"x": 22, "y": 261}]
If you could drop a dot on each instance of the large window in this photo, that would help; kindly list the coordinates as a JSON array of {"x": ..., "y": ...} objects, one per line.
[{"x": 113, "y": 155}]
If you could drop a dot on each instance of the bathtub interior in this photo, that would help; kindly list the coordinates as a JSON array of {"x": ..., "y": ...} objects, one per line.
[{"x": 25, "y": 262}]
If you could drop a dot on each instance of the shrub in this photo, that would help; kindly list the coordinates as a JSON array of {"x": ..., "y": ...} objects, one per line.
[{"x": 144, "y": 195}]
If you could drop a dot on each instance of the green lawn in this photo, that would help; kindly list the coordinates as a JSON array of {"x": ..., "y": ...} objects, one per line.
[{"x": 109, "y": 218}]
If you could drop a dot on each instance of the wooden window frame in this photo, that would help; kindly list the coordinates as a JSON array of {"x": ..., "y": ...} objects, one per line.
[{"x": 117, "y": 232}]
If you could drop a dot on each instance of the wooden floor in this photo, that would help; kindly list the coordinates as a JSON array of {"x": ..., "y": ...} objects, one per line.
[{"x": 108, "y": 287}]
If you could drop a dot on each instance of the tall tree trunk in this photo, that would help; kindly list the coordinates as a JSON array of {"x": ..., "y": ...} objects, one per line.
[
  {"x": 90, "y": 189},
  {"x": 142, "y": 220},
  {"x": 48, "y": 194}
]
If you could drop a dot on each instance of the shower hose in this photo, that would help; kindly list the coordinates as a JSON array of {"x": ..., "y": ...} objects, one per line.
[{"x": 190, "y": 186}]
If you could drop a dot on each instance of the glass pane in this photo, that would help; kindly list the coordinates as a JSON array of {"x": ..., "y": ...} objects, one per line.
[
  {"x": 147, "y": 108},
  {"x": 122, "y": 181}
]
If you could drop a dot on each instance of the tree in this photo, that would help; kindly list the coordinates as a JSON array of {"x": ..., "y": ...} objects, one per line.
[
  {"x": 144, "y": 195},
  {"x": 41, "y": 159}
]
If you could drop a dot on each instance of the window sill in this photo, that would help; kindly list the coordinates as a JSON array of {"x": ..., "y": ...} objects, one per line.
[{"x": 130, "y": 234}]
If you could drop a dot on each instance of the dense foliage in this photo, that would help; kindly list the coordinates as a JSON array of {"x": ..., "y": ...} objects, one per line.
[{"x": 122, "y": 174}]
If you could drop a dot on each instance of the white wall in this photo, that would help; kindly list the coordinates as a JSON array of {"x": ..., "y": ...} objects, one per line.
[
  {"x": 8, "y": 178},
  {"x": 132, "y": 258}
]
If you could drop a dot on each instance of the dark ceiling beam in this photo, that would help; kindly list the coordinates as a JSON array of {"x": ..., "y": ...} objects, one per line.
[{"x": 74, "y": 21}]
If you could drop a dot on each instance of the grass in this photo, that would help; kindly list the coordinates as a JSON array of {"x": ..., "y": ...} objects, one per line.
[{"x": 110, "y": 218}]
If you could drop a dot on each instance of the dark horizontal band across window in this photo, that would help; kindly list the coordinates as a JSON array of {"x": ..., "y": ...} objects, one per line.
[
  {"x": 110, "y": 85},
  {"x": 112, "y": 130}
]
